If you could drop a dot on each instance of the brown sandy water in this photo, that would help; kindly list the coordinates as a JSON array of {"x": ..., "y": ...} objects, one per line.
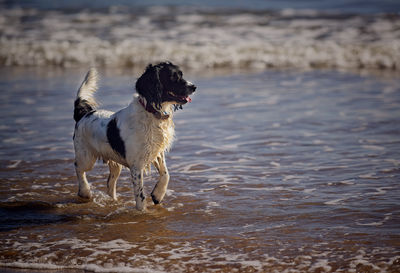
[{"x": 271, "y": 172}]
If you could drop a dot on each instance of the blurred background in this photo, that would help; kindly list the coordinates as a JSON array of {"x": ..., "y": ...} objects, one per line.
[{"x": 255, "y": 34}]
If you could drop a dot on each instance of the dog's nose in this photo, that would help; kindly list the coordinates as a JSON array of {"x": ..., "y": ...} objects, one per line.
[{"x": 191, "y": 86}]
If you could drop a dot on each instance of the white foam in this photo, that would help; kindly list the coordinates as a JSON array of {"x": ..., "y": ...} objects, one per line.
[
  {"x": 210, "y": 207},
  {"x": 89, "y": 267},
  {"x": 14, "y": 164},
  {"x": 373, "y": 147},
  {"x": 276, "y": 188},
  {"x": 395, "y": 162},
  {"x": 275, "y": 164},
  {"x": 368, "y": 176},
  {"x": 370, "y": 224},
  {"x": 334, "y": 202},
  {"x": 291, "y": 177},
  {"x": 361, "y": 260},
  {"x": 380, "y": 191},
  {"x": 347, "y": 182},
  {"x": 322, "y": 264},
  {"x": 213, "y": 204},
  {"x": 181, "y": 256},
  {"x": 378, "y": 223},
  {"x": 14, "y": 140},
  {"x": 311, "y": 40},
  {"x": 309, "y": 190},
  {"x": 328, "y": 149},
  {"x": 256, "y": 264},
  {"x": 116, "y": 245},
  {"x": 39, "y": 266}
]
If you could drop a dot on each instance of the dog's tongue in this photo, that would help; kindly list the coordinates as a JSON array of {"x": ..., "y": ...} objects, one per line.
[{"x": 188, "y": 99}]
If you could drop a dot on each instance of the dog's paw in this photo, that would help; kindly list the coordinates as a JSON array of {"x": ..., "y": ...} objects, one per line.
[
  {"x": 85, "y": 194},
  {"x": 141, "y": 206},
  {"x": 114, "y": 198},
  {"x": 158, "y": 195},
  {"x": 113, "y": 195},
  {"x": 156, "y": 200}
]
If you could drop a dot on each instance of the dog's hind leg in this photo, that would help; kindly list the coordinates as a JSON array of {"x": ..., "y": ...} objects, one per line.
[
  {"x": 82, "y": 165},
  {"x": 161, "y": 188},
  {"x": 115, "y": 170}
]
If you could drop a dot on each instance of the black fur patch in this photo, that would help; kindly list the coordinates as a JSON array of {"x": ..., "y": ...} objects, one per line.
[
  {"x": 149, "y": 86},
  {"x": 82, "y": 107},
  {"x": 155, "y": 201},
  {"x": 142, "y": 196},
  {"x": 114, "y": 138}
]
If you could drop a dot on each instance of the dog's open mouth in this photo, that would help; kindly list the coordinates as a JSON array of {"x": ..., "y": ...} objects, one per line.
[{"x": 179, "y": 99}]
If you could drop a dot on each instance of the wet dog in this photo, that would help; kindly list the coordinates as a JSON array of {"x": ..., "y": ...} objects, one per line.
[{"x": 136, "y": 136}]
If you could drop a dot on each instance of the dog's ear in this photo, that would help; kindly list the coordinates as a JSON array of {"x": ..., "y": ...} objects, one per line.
[{"x": 150, "y": 87}]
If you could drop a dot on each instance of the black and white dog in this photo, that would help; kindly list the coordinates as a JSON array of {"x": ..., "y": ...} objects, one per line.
[{"x": 136, "y": 136}]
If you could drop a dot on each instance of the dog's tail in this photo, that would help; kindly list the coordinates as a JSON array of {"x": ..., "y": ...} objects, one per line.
[{"x": 85, "y": 102}]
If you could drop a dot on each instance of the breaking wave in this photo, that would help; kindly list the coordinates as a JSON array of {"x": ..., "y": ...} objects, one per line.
[{"x": 199, "y": 39}]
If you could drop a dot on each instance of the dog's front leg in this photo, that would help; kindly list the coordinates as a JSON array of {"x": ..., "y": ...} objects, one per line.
[
  {"x": 161, "y": 188},
  {"x": 137, "y": 180}
]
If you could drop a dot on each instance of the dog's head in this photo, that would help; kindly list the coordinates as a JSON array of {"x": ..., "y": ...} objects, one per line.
[{"x": 164, "y": 83}]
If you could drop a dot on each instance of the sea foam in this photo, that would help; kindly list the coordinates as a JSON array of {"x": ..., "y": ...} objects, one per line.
[{"x": 199, "y": 39}]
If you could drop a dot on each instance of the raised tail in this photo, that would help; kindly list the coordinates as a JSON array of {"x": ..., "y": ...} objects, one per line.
[{"x": 85, "y": 102}]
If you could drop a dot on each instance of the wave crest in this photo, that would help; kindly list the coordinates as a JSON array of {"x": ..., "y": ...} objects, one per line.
[{"x": 199, "y": 40}]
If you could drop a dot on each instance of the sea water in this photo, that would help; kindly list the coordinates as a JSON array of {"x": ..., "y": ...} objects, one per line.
[
  {"x": 275, "y": 172},
  {"x": 287, "y": 160}
]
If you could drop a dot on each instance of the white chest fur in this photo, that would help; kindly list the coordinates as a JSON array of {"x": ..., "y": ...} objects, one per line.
[
  {"x": 159, "y": 136},
  {"x": 146, "y": 136}
]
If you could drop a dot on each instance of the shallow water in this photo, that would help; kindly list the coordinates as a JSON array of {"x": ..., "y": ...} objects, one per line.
[{"x": 275, "y": 172}]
